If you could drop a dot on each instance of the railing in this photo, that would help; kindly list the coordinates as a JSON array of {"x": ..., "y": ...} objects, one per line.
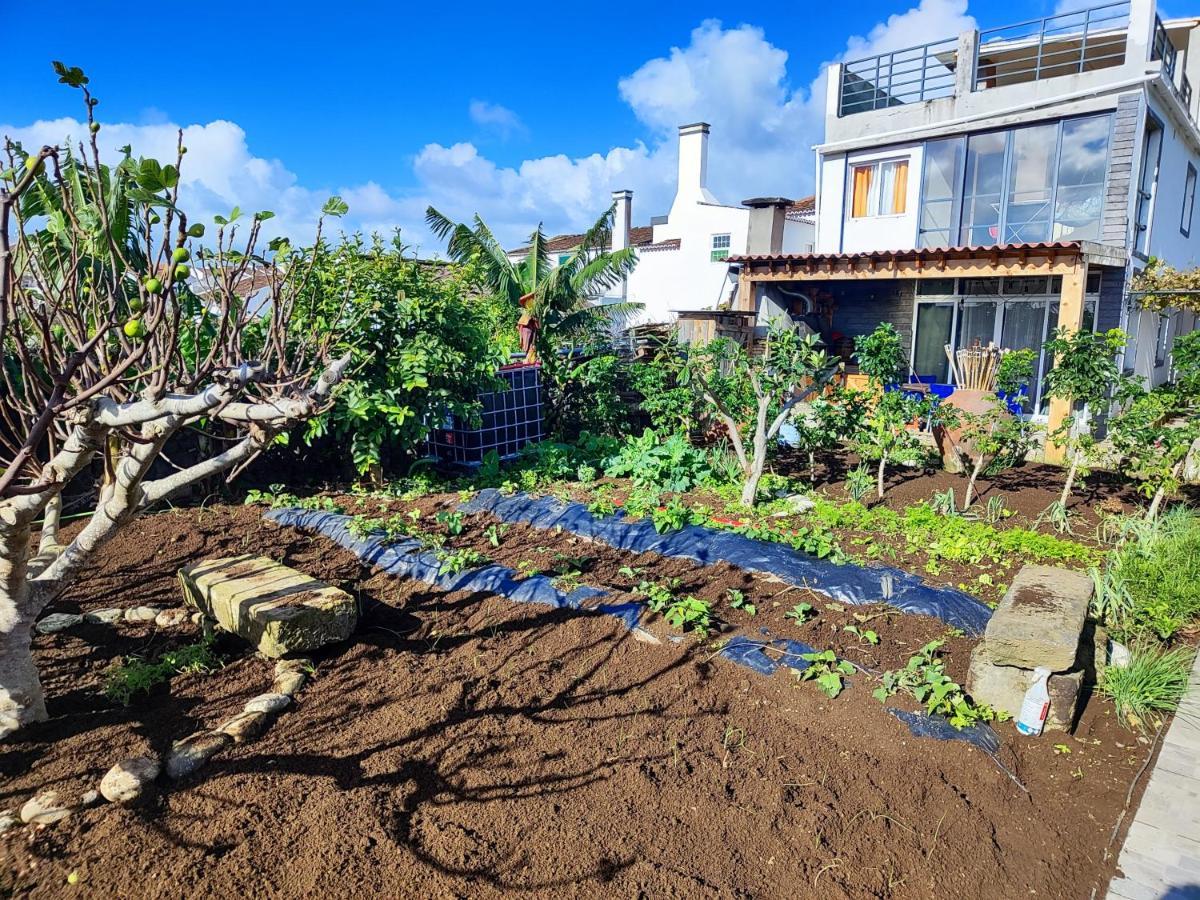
[
  {"x": 1163, "y": 49},
  {"x": 902, "y": 76},
  {"x": 1065, "y": 44}
]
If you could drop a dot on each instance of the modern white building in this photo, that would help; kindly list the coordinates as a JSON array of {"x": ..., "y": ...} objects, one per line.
[
  {"x": 997, "y": 184},
  {"x": 682, "y": 255}
]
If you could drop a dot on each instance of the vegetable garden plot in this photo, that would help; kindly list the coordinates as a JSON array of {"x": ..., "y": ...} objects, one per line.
[{"x": 846, "y": 583}]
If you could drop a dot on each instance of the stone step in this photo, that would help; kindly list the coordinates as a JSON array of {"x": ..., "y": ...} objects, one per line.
[
  {"x": 277, "y": 609},
  {"x": 1040, "y": 619}
]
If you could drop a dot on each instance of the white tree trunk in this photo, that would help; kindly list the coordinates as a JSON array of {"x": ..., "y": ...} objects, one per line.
[{"x": 21, "y": 699}]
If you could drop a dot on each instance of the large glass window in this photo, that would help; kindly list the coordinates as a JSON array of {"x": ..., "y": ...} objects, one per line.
[
  {"x": 939, "y": 190},
  {"x": 1030, "y": 184},
  {"x": 935, "y": 322},
  {"x": 1082, "y": 164}
]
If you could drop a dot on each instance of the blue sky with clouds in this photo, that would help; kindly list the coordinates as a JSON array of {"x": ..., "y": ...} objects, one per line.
[{"x": 524, "y": 112}]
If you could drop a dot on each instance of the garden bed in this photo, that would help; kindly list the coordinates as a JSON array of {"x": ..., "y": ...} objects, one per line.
[{"x": 453, "y": 744}]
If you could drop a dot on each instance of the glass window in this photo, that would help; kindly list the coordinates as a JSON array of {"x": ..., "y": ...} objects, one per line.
[
  {"x": 1026, "y": 284},
  {"x": 1082, "y": 164},
  {"x": 985, "y": 286},
  {"x": 940, "y": 191},
  {"x": 934, "y": 321},
  {"x": 879, "y": 189},
  {"x": 1161, "y": 341},
  {"x": 1189, "y": 200},
  {"x": 720, "y": 247},
  {"x": 935, "y": 287},
  {"x": 977, "y": 323},
  {"x": 983, "y": 189},
  {"x": 1030, "y": 185}
]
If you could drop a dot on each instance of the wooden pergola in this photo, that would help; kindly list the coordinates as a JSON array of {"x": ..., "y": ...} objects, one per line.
[{"x": 1068, "y": 259}]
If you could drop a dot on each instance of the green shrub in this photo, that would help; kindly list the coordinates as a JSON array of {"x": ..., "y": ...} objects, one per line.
[
  {"x": 1150, "y": 686},
  {"x": 652, "y": 461}
]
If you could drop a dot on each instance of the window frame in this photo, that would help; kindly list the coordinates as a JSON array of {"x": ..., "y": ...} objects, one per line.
[
  {"x": 1189, "y": 201},
  {"x": 874, "y": 199},
  {"x": 718, "y": 253}
]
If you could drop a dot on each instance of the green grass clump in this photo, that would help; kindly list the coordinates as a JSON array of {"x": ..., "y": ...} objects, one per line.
[
  {"x": 1150, "y": 686},
  {"x": 1151, "y": 583},
  {"x": 138, "y": 676}
]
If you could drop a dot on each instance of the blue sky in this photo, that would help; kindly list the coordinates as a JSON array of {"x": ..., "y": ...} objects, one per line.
[{"x": 522, "y": 112}]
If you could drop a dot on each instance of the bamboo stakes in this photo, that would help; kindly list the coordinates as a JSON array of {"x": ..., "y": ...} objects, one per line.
[{"x": 975, "y": 367}]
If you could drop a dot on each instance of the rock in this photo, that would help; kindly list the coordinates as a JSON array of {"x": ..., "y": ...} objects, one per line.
[
  {"x": 109, "y": 616},
  {"x": 1040, "y": 619},
  {"x": 129, "y": 779},
  {"x": 8, "y": 819},
  {"x": 1003, "y": 688},
  {"x": 195, "y": 750},
  {"x": 268, "y": 703},
  {"x": 56, "y": 622},
  {"x": 246, "y": 726},
  {"x": 799, "y": 504},
  {"x": 172, "y": 618},
  {"x": 43, "y": 809},
  {"x": 277, "y": 609},
  {"x": 1118, "y": 655},
  {"x": 141, "y": 614},
  {"x": 303, "y": 666},
  {"x": 289, "y": 683},
  {"x": 90, "y": 798}
]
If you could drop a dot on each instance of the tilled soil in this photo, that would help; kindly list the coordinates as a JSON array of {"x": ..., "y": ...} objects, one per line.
[{"x": 466, "y": 746}]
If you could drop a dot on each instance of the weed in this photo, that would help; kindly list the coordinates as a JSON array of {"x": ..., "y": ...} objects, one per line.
[
  {"x": 136, "y": 676},
  {"x": 1149, "y": 686},
  {"x": 859, "y": 483},
  {"x": 826, "y": 670},
  {"x": 944, "y": 504},
  {"x": 738, "y": 601},
  {"x": 1062, "y": 750}
]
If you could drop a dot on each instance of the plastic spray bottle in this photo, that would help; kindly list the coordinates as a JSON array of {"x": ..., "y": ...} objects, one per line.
[{"x": 1036, "y": 705}]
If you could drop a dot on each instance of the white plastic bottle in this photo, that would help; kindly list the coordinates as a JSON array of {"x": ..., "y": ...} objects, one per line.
[{"x": 1036, "y": 705}]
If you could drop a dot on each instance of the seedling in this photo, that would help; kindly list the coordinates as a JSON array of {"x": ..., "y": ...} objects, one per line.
[
  {"x": 865, "y": 635},
  {"x": 527, "y": 569},
  {"x": 629, "y": 572},
  {"x": 451, "y": 562},
  {"x": 826, "y": 670},
  {"x": 452, "y": 520},
  {"x": 738, "y": 601},
  {"x": 801, "y": 613},
  {"x": 924, "y": 678},
  {"x": 1062, "y": 750},
  {"x": 494, "y": 533}
]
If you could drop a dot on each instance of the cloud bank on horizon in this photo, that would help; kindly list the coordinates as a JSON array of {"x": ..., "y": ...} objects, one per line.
[{"x": 731, "y": 77}]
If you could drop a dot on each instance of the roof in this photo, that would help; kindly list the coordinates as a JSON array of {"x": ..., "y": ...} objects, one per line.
[
  {"x": 641, "y": 236},
  {"x": 802, "y": 210},
  {"x": 921, "y": 253}
]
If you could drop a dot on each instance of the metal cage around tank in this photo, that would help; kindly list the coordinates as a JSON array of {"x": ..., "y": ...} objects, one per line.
[{"x": 510, "y": 418}]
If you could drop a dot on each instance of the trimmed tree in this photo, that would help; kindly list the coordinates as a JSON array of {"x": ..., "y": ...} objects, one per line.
[{"x": 114, "y": 344}]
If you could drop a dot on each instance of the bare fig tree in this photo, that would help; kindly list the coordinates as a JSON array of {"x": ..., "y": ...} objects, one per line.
[{"x": 114, "y": 341}]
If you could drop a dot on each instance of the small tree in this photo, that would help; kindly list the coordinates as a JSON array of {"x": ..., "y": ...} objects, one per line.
[
  {"x": 824, "y": 423},
  {"x": 885, "y": 436},
  {"x": 989, "y": 439},
  {"x": 112, "y": 346},
  {"x": 790, "y": 369},
  {"x": 1085, "y": 374},
  {"x": 880, "y": 355}
]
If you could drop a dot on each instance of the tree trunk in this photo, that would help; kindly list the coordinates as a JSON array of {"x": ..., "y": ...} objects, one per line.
[
  {"x": 1152, "y": 512},
  {"x": 21, "y": 698},
  {"x": 1066, "y": 494},
  {"x": 975, "y": 470},
  {"x": 879, "y": 476}
]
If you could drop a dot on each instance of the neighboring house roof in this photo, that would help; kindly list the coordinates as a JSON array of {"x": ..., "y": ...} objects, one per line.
[
  {"x": 802, "y": 210},
  {"x": 932, "y": 254},
  {"x": 639, "y": 236}
]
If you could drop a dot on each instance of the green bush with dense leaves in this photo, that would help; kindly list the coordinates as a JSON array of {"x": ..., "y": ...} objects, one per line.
[{"x": 665, "y": 463}]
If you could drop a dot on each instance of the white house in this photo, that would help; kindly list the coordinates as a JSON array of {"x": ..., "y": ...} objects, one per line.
[
  {"x": 682, "y": 255},
  {"x": 997, "y": 184}
]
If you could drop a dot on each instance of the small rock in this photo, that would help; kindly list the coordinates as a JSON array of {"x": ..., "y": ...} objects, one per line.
[
  {"x": 798, "y": 504},
  {"x": 197, "y": 618},
  {"x": 246, "y": 726},
  {"x": 641, "y": 634},
  {"x": 56, "y": 622},
  {"x": 289, "y": 683},
  {"x": 268, "y": 703},
  {"x": 171, "y": 618},
  {"x": 1118, "y": 655},
  {"x": 304, "y": 666},
  {"x": 129, "y": 779},
  {"x": 44, "y": 809},
  {"x": 108, "y": 616},
  {"x": 141, "y": 614},
  {"x": 8, "y": 820},
  {"x": 195, "y": 750},
  {"x": 90, "y": 798}
]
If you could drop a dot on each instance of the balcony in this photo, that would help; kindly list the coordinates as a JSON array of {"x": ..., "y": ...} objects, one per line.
[{"x": 1068, "y": 44}]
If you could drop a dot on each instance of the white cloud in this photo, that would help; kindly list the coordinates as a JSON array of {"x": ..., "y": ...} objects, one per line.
[
  {"x": 733, "y": 78},
  {"x": 495, "y": 118}
]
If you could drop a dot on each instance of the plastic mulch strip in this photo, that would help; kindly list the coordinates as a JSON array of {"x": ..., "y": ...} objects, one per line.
[{"x": 844, "y": 582}]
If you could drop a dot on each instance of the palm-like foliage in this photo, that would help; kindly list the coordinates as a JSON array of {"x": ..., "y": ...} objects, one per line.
[{"x": 564, "y": 295}]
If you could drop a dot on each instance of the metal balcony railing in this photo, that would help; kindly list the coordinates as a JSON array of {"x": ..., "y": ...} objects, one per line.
[
  {"x": 902, "y": 76},
  {"x": 1172, "y": 72},
  {"x": 1065, "y": 44}
]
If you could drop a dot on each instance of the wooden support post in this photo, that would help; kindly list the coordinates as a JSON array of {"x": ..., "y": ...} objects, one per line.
[
  {"x": 1070, "y": 317},
  {"x": 747, "y": 290}
]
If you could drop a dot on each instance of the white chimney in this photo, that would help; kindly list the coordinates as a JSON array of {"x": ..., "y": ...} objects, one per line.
[
  {"x": 622, "y": 219},
  {"x": 693, "y": 165}
]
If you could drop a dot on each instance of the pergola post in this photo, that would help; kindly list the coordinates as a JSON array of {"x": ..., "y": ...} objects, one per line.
[
  {"x": 747, "y": 289},
  {"x": 1070, "y": 317}
]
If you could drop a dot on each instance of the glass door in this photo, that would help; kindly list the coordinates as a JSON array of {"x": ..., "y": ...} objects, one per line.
[
  {"x": 977, "y": 322},
  {"x": 1024, "y": 325},
  {"x": 935, "y": 324}
]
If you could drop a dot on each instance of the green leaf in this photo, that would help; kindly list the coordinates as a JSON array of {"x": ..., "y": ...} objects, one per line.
[
  {"x": 264, "y": 214},
  {"x": 72, "y": 75},
  {"x": 335, "y": 206},
  {"x": 196, "y": 230}
]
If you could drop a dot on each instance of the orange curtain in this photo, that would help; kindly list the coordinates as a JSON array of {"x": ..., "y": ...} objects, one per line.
[
  {"x": 862, "y": 190},
  {"x": 900, "y": 187}
]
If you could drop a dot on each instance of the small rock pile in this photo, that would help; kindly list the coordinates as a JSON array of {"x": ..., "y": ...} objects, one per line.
[{"x": 1039, "y": 624}]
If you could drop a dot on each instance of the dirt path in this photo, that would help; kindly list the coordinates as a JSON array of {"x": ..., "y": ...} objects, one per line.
[{"x": 468, "y": 746}]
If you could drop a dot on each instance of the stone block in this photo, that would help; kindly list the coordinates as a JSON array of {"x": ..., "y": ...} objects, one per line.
[
  {"x": 1003, "y": 688},
  {"x": 277, "y": 609},
  {"x": 1040, "y": 619}
]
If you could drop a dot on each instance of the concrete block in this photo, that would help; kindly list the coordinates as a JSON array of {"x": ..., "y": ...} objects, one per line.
[
  {"x": 1040, "y": 619},
  {"x": 1003, "y": 688},
  {"x": 277, "y": 609}
]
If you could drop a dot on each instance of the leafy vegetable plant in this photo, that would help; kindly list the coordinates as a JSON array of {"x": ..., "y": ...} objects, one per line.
[{"x": 826, "y": 670}]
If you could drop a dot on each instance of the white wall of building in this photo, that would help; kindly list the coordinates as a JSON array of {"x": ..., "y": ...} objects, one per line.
[
  {"x": 1167, "y": 241},
  {"x": 799, "y": 236}
]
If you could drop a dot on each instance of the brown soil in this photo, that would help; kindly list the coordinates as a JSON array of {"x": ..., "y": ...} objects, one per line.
[{"x": 464, "y": 745}]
